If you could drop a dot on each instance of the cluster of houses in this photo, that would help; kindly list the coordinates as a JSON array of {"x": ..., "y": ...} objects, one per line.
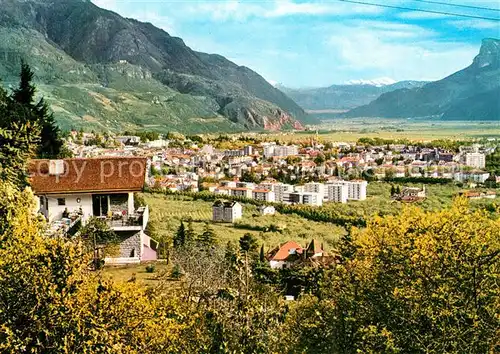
[
  {"x": 313, "y": 193},
  {"x": 180, "y": 168},
  {"x": 101, "y": 181}
]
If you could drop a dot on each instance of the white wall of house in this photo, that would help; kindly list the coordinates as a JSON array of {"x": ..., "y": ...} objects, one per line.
[
  {"x": 268, "y": 210},
  {"x": 73, "y": 202},
  {"x": 276, "y": 264},
  {"x": 234, "y": 213}
]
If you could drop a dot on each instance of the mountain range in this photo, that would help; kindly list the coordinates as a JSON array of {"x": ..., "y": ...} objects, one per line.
[
  {"x": 469, "y": 94},
  {"x": 344, "y": 97},
  {"x": 102, "y": 71}
]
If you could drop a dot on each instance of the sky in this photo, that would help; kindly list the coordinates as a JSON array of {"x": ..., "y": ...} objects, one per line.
[{"x": 316, "y": 43}]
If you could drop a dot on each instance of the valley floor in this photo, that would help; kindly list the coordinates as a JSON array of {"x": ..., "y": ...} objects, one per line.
[{"x": 414, "y": 129}]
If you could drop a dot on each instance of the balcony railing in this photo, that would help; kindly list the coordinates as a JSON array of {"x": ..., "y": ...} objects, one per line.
[
  {"x": 66, "y": 226},
  {"x": 139, "y": 219}
]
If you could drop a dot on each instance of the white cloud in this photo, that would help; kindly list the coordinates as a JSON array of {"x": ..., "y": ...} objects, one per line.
[
  {"x": 476, "y": 23},
  {"x": 165, "y": 23},
  {"x": 239, "y": 10},
  {"x": 107, "y": 4},
  {"x": 287, "y": 8},
  {"x": 401, "y": 53},
  {"x": 146, "y": 15},
  {"x": 416, "y": 15}
]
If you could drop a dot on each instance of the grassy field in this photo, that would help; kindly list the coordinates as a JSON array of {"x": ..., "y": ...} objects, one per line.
[
  {"x": 378, "y": 201},
  {"x": 168, "y": 211},
  {"x": 137, "y": 271},
  {"x": 350, "y": 130}
]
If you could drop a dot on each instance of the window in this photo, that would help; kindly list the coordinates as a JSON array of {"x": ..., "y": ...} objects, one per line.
[
  {"x": 61, "y": 201},
  {"x": 42, "y": 203}
]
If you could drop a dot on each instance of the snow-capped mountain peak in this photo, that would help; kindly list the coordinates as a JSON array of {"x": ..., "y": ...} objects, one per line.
[{"x": 382, "y": 81}]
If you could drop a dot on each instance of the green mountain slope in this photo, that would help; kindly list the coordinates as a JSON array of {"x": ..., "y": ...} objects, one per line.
[
  {"x": 475, "y": 84},
  {"x": 97, "y": 68},
  {"x": 482, "y": 106},
  {"x": 341, "y": 97}
]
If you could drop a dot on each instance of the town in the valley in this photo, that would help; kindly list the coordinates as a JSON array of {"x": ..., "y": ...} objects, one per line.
[{"x": 234, "y": 171}]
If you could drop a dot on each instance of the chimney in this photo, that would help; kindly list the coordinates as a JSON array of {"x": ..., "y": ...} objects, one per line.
[{"x": 56, "y": 167}]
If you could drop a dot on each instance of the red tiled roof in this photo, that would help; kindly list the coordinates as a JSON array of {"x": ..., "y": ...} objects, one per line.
[
  {"x": 284, "y": 251},
  {"x": 110, "y": 174}
]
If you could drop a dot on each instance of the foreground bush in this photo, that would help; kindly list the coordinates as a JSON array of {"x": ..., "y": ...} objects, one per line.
[
  {"x": 415, "y": 283},
  {"x": 51, "y": 303}
]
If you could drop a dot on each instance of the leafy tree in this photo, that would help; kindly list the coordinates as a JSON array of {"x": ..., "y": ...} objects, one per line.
[
  {"x": 262, "y": 255},
  {"x": 17, "y": 146},
  {"x": 208, "y": 237},
  {"x": 19, "y": 137},
  {"x": 493, "y": 162},
  {"x": 249, "y": 176},
  {"x": 51, "y": 142},
  {"x": 176, "y": 272},
  {"x": 51, "y": 303},
  {"x": 390, "y": 173},
  {"x": 419, "y": 282},
  {"x": 97, "y": 232},
  {"x": 25, "y": 93},
  {"x": 190, "y": 233},
  {"x": 248, "y": 243},
  {"x": 97, "y": 235},
  {"x": 319, "y": 160},
  {"x": 180, "y": 236},
  {"x": 346, "y": 247}
]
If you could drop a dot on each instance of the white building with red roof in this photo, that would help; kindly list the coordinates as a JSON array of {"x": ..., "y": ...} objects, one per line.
[{"x": 71, "y": 191}]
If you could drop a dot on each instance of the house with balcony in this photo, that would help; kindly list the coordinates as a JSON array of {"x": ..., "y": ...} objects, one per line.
[{"x": 71, "y": 191}]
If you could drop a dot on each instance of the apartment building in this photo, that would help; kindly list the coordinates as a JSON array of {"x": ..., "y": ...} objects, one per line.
[
  {"x": 314, "y": 199},
  {"x": 263, "y": 195},
  {"x": 356, "y": 189},
  {"x": 279, "y": 189},
  {"x": 475, "y": 159},
  {"x": 228, "y": 184},
  {"x": 233, "y": 153},
  {"x": 271, "y": 150},
  {"x": 314, "y": 187},
  {"x": 241, "y": 192},
  {"x": 250, "y": 185},
  {"x": 336, "y": 192},
  {"x": 248, "y": 150},
  {"x": 472, "y": 176}
]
